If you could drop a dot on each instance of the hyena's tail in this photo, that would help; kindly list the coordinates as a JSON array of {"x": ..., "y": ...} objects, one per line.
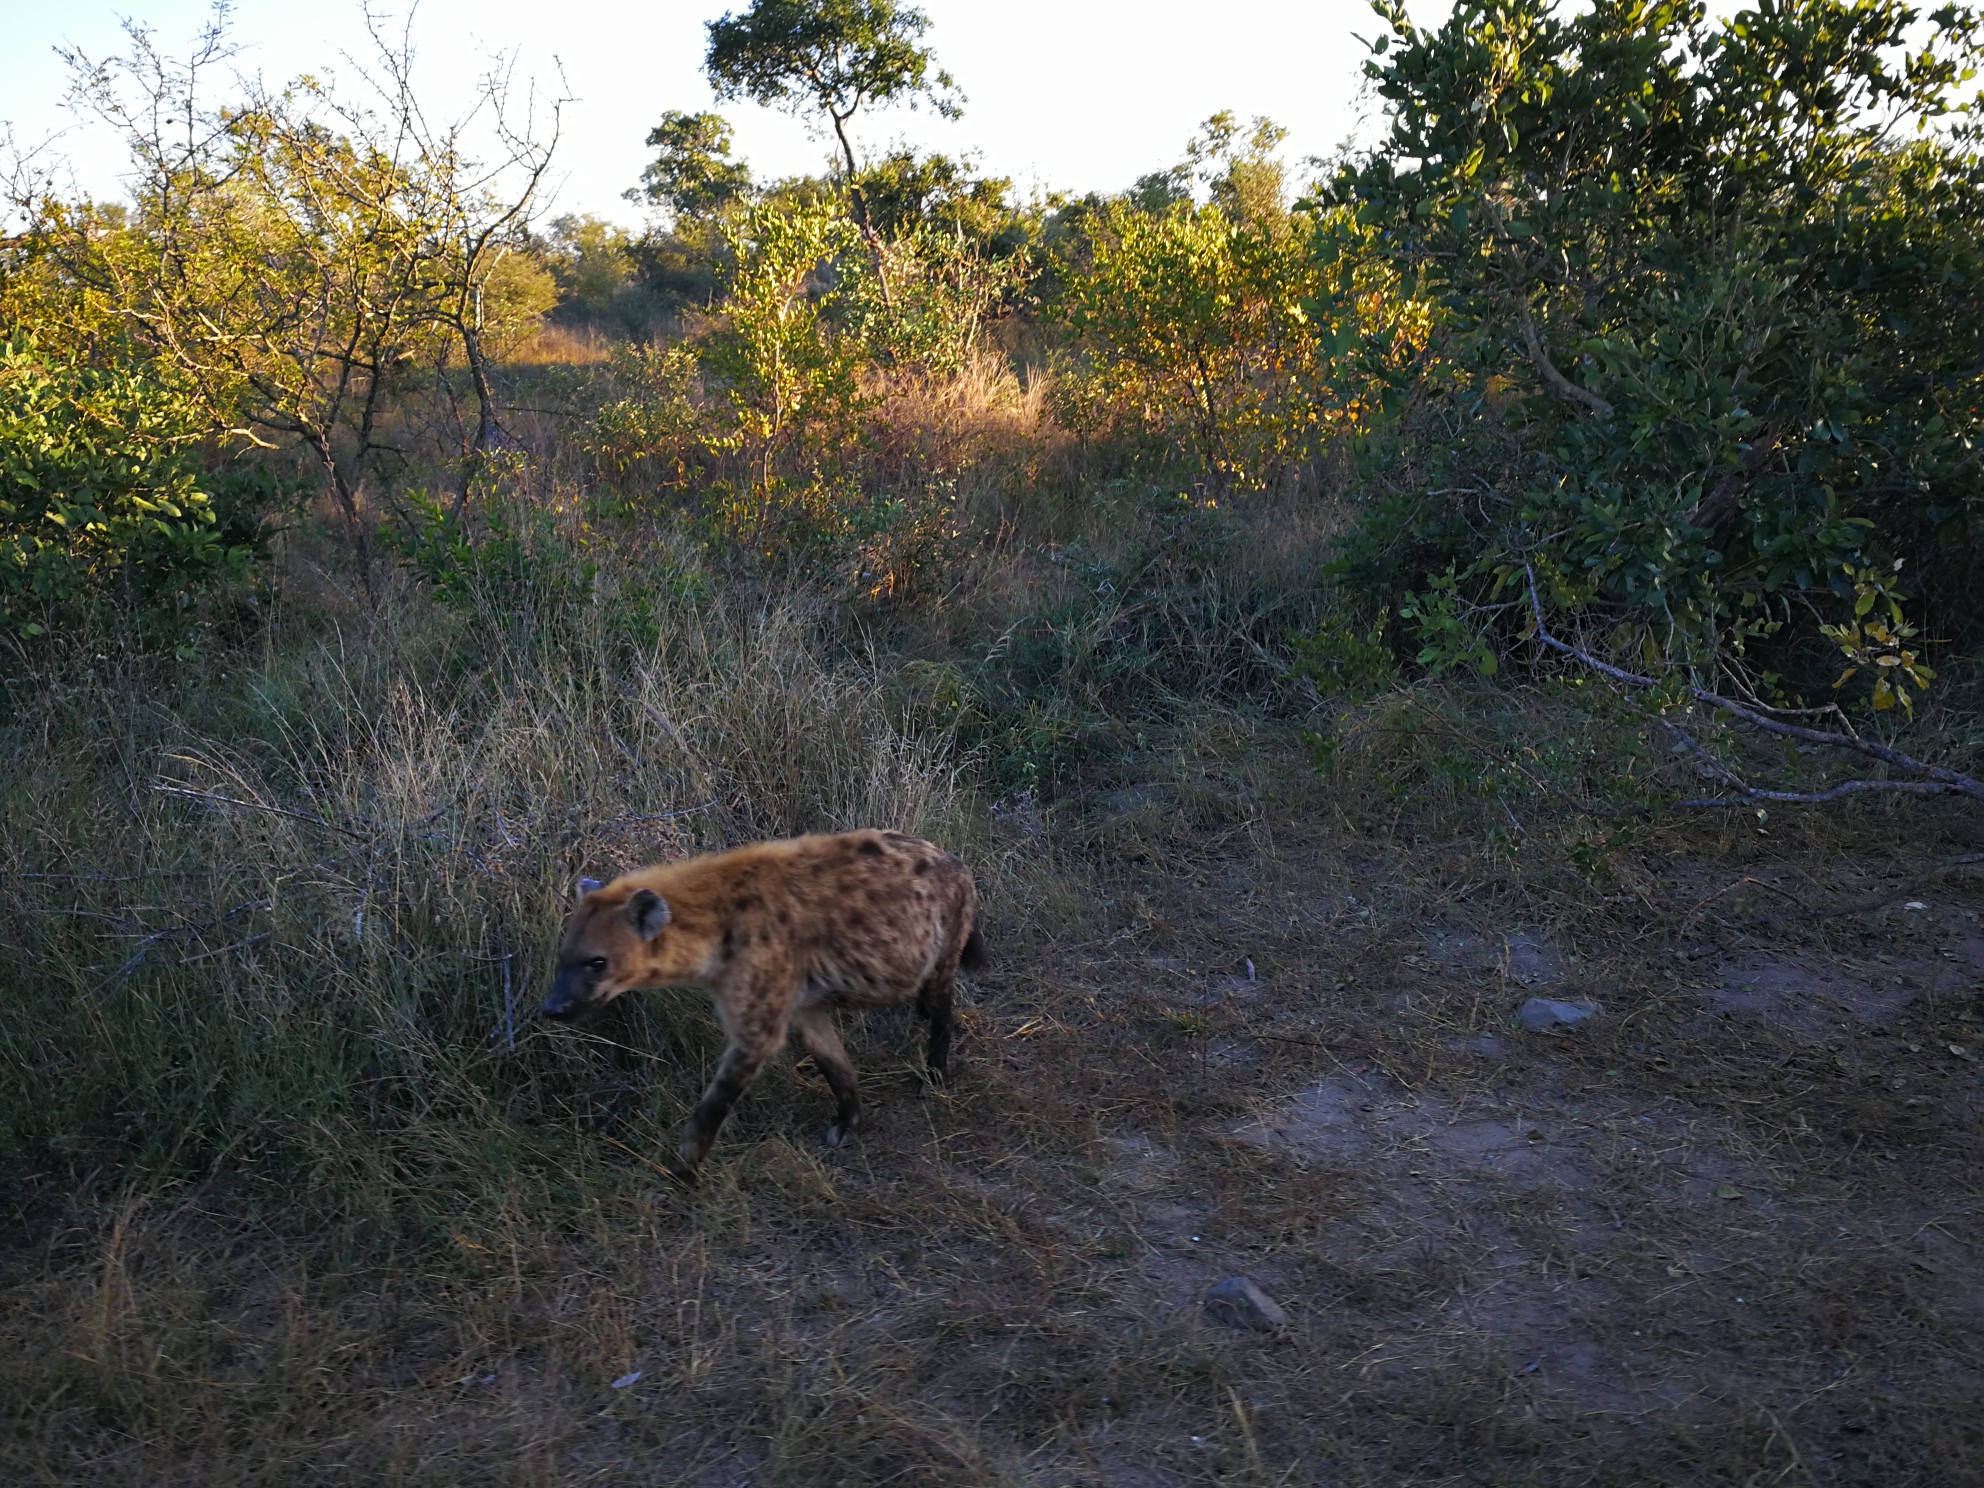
[{"x": 972, "y": 958}]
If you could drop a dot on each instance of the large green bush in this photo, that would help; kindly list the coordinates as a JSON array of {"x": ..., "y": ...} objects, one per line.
[
  {"x": 100, "y": 491},
  {"x": 1189, "y": 331},
  {"x": 1707, "y": 353}
]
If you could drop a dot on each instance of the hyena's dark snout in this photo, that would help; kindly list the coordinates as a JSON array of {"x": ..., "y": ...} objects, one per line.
[{"x": 571, "y": 997}]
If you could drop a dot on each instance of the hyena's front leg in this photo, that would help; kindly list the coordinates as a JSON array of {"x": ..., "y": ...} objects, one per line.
[{"x": 739, "y": 1067}]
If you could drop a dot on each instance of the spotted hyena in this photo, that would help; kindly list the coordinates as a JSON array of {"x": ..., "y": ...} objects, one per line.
[{"x": 780, "y": 934}]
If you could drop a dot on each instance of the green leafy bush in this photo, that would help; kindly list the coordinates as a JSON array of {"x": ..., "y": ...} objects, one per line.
[
  {"x": 1708, "y": 318},
  {"x": 100, "y": 491},
  {"x": 927, "y": 306},
  {"x": 1191, "y": 333},
  {"x": 1222, "y": 341},
  {"x": 646, "y": 419}
]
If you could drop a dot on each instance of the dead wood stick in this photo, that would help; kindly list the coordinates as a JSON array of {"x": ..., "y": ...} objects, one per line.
[
  {"x": 214, "y": 799},
  {"x": 1945, "y": 780},
  {"x": 1558, "y": 383}
]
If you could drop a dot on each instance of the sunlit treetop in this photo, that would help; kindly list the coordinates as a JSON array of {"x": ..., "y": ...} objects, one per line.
[{"x": 834, "y": 55}]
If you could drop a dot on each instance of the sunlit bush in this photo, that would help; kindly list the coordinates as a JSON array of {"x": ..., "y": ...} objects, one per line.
[{"x": 100, "y": 492}]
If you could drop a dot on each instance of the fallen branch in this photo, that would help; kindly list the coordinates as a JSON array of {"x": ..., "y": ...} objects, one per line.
[
  {"x": 1689, "y": 918},
  {"x": 1815, "y": 798},
  {"x": 1721, "y": 502},
  {"x": 1938, "y": 779},
  {"x": 213, "y": 799},
  {"x": 1716, "y": 767},
  {"x": 239, "y": 945},
  {"x": 1908, "y": 888},
  {"x": 108, "y": 988}
]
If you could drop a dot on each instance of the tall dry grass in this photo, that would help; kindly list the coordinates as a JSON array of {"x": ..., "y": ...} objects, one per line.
[
  {"x": 291, "y": 921},
  {"x": 306, "y": 1198}
]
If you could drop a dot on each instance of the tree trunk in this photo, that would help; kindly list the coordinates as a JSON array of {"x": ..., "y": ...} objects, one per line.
[{"x": 860, "y": 202}]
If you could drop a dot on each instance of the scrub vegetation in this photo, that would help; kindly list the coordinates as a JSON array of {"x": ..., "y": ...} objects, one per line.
[{"x": 1330, "y": 607}]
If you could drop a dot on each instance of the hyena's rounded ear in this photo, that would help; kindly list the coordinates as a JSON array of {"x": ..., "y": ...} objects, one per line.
[
  {"x": 587, "y": 885},
  {"x": 647, "y": 912}
]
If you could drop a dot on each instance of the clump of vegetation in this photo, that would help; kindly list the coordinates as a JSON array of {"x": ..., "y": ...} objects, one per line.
[
  {"x": 101, "y": 492},
  {"x": 1704, "y": 349},
  {"x": 1325, "y": 615}
]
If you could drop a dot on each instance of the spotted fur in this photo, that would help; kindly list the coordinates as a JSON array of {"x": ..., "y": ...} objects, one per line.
[{"x": 779, "y": 934}]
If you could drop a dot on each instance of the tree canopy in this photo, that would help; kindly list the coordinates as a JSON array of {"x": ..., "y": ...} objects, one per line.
[
  {"x": 693, "y": 175},
  {"x": 1709, "y": 327},
  {"x": 837, "y": 56}
]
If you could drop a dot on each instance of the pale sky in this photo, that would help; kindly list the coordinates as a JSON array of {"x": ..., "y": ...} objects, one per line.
[{"x": 1071, "y": 95}]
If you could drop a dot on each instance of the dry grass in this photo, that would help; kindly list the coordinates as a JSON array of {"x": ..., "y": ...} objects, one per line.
[
  {"x": 551, "y": 345},
  {"x": 296, "y": 1197},
  {"x": 927, "y": 425}
]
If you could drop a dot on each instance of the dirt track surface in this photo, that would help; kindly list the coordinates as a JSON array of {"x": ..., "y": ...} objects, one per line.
[
  {"x": 1725, "y": 1232},
  {"x": 1728, "y": 1227}
]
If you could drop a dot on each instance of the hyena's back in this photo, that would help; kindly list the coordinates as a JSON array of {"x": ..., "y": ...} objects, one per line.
[{"x": 875, "y": 915}]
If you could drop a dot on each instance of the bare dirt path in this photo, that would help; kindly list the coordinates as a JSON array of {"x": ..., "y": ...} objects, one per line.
[{"x": 1726, "y": 1230}]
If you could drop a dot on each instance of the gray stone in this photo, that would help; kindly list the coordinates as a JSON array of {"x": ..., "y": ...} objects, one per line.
[
  {"x": 1240, "y": 1303},
  {"x": 1546, "y": 1014}
]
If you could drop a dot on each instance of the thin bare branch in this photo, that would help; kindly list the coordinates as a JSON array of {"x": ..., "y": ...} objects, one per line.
[
  {"x": 1806, "y": 911},
  {"x": 1937, "y": 779},
  {"x": 1557, "y": 382},
  {"x": 213, "y": 799}
]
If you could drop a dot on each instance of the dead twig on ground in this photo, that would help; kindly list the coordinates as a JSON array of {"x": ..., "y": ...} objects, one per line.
[
  {"x": 213, "y": 798},
  {"x": 1730, "y": 888},
  {"x": 1936, "y": 779},
  {"x": 1858, "y": 906}
]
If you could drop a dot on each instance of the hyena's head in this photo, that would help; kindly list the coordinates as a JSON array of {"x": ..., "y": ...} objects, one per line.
[{"x": 610, "y": 945}]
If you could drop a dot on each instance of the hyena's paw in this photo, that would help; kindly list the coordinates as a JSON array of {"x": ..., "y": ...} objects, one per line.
[
  {"x": 839, "y": 1135},
  {"x": 684, "y": 1173}
]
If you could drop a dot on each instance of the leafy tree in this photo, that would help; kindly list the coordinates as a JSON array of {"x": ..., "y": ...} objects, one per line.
[
  {"x": 298, "y": 265},
  {"x": 694, "y": 179},
  {"x": 905, "y": 191},
  {"x": 1157, "y": 191},
  {"x": 927, "y": 306},
  {"x": 591, "y": 259},
  {"x": 1241, "y": 174},
  {"x": 1196, "y": 326},
  {"x": 693, "y": 176},
  {"x": 1708, "y": 348},
  {"x": 834, "y": 56},
  {"x": 1191, "y": 329},
  {"x": 681, "y": 267},
  {"x": 597, "y": 269},
  {"x": 788, "y": 383}
]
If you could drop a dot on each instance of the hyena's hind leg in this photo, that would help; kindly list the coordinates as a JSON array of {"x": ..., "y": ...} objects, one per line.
[
  {"x": 934, "y": 1003},
  {"x": 814, "y": 1028}
]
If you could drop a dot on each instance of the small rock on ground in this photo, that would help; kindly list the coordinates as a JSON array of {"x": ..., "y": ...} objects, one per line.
[
  {"x": 1542, "y": 1014},
  {"x": 1239, "y": 1302}
]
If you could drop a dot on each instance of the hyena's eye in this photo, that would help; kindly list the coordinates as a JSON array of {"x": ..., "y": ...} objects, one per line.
[{"x": 598, "y": 963}]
